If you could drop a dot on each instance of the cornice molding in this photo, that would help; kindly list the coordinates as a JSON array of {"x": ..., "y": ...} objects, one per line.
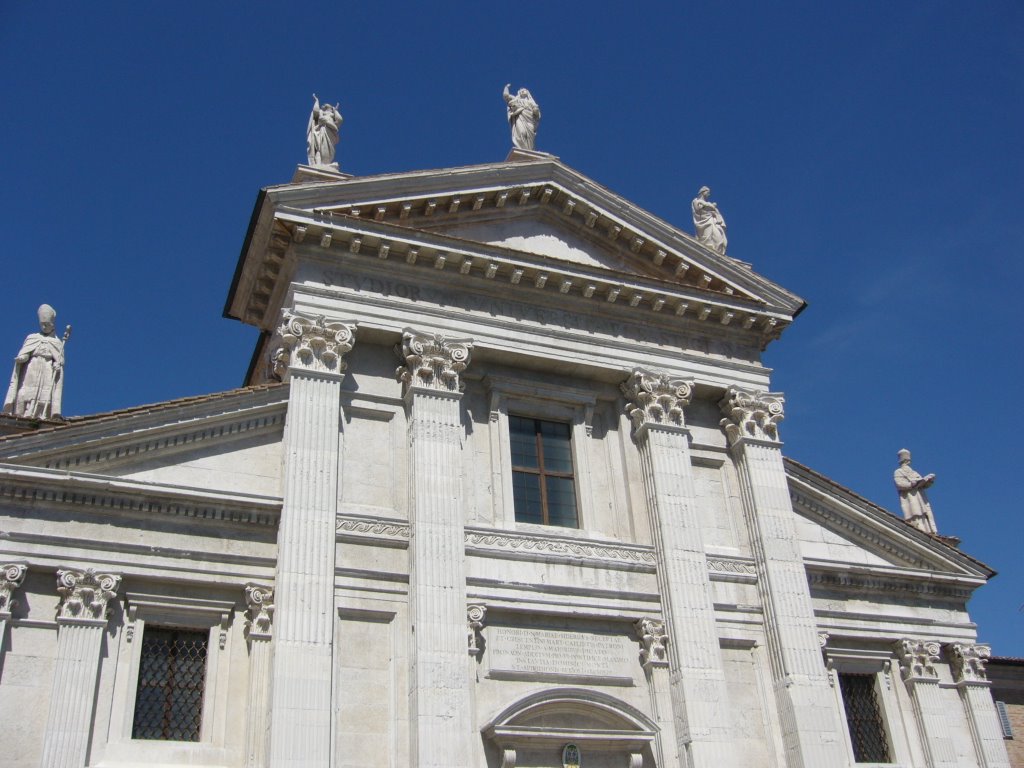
[
  {"x": 33, "y": 485},
  {"x": 840, "y": 577},
  {"x": 379, "y": 531},
  {"x": 482, "y": 541}
]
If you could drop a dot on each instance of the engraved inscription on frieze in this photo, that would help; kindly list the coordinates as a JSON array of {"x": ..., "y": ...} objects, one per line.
[{"x": 531, "y": 653}]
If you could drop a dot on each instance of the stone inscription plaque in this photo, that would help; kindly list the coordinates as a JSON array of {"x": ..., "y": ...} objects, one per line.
[{"x": 530, "y": 653}]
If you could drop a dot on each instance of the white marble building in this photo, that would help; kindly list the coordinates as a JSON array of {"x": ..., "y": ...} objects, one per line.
[{"x": 562, "y": 534}]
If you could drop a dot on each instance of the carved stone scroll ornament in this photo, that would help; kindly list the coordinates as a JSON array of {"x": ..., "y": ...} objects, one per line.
[
  {"x": 918, "y": 659},
  {"x": 432, "y": 361},
  {"x": 656, "y": 398},
  {"x": 969, "y": 662},
  {"x": 85, "y": 595},
  {"x": 475, "y": 615},
  {"x": 311, "y": 343},
  {"x": 11, "y": 576},
  {"x": 655, "y": 642},
  {"x": 260, "y": 613},
  {"x": 751, "y": 414}
]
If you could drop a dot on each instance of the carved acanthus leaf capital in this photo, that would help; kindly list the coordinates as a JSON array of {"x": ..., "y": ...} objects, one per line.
[
  {"x": 918, "y": 659},
  {"x": 656, "y": 398},
  {"x": 475, "y": 615},
  {"x": 969, "y": 662},
  {"x": 751, "y": 414},
  {"x": 260, "y": 614},
  {"x": 85, "y": 595},
  {"x": 432, "y": 361},
  {"x": 310, "y": 343},
  {"x": 11, "y": 576},
  {"x": 654, "y": 640}
]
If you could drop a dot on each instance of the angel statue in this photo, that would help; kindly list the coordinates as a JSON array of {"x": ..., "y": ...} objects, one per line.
[
  {"x": 322, "y": 133},
  {"x": 523, "y": 117}
]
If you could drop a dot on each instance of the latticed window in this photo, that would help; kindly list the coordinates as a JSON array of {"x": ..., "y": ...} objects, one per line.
[
  {"x": 864, "y": 718},
  {"x": 172, "y": 675},
  {"x": 543, "y": 486}
]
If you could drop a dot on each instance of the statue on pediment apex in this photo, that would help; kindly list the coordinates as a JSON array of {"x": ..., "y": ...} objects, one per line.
[
  {"x": 37, "y": 381},
  {"x": 322, "y": 133},
  {"x": 708, "y": 222},
  {"x": 523, "y": 117},
  {"x": 913, "y": 500}
]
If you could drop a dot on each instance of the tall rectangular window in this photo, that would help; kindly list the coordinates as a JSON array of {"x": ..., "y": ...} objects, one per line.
[
  {"x": 864, "y": 718},
  {"x": 543, "y": 484},
  {"x": 172, "y": 676}
]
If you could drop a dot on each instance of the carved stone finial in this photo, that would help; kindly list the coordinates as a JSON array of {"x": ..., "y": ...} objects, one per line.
[
  {"x": 656, "y": 398},
  {"x": 918, "y": 659},
  {"x": 654, "y": 652},
  {"x": 708, "y": 222},
  {"x": 85, "y": 595},
  {"x": 475, "y": 615},
  {"x": 751, "y": 414},
  {"x": 37, "y": 382},
  {"x": 260, "y": 613},
  {"x": 312, "y": 344},
  {"x": 969, "y": 662},
  {"x": 322, "y": 134},
  {"x": 910, "y": 484},
  {"x": 523, "y": 117},
  {"x": 432, "y": 361},
  {"x": 11, "y": 576}
]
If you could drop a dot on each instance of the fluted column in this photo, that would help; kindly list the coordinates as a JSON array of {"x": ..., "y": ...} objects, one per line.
[
  {"x": 968, "y": 663},
  {"x": 311, "y": 356},
  {"x": 697, "y": 680},
  {"x": 917, "y": 665},
  {"x": 439, "y": 687},
  {"x": 810, "y": 722},
  {"x": 81, "y": 622},
  {"x": 259, "y": 618},
  {"x": 654, "y": 642},
  {"x": 11, "y": 576}
]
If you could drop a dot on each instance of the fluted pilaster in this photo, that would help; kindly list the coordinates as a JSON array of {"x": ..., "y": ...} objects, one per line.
[
  {"x": 259, "y": 620},
  {"x": 11, "y": 577},
  {"x": 968, "y": 662},
  {"x": 302, "y": 666},
  {"x": 439, "y": 686},
  {"x": 918, "y": 660},
  {"x": 656, "y": 403},
  {"x": 810, "y": 722},
  {"x": 81, "y": 622}
]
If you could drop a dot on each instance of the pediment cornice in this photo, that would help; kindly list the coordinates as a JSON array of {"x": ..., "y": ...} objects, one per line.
[{"x": 387, "y": 215}]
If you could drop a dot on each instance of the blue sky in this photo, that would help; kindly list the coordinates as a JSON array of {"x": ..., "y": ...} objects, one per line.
[{"x": 865, "y": 155}]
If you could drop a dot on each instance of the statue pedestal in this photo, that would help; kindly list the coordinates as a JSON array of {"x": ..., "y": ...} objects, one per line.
[
  {"x": 526, "y": 155},
  {"x": 330, "y": 172}
]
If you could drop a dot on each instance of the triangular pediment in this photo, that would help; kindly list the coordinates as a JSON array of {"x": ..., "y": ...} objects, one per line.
[
  {"x": 467, "y": 219},
  {"x": 227, "y": 442},
  {"x": 841, "y": 531}
]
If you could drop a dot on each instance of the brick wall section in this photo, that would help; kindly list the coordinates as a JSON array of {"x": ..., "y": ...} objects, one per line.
[{"x": 1007, "y": 676}]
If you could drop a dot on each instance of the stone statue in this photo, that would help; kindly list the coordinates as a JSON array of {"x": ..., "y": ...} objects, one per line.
[
  {"x": 38, "y": 378},
  {"x": 523, "y": 117},
  {"x": 322, "y": 133},
  {"x": 910, "y": 484},
  {"x": 708, "y": 222}
]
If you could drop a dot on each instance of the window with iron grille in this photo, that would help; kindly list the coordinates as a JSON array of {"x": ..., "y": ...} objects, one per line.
[
  {"x": 864, "y": 718},
  {"x": 172, "y": 677},
  {"x": 543, "y": 484}
]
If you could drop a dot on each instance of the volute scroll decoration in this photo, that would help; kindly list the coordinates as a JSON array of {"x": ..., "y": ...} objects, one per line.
[
  {"x": 432, "y": 361},
  {"x": 752, "y": 414},
  {"x": 260, "y": 615},
  {"x": 11, "y": 577},
  {"x": 85, "y": 595},
  {"x": 656, "y": 398},
  {"x": 311, "y": 343}
]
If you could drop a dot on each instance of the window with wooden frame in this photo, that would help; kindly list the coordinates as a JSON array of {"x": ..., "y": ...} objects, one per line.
[{"x": 543, "y": 480}]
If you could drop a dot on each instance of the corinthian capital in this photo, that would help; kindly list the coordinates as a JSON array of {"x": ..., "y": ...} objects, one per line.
[
  {"x": 749, "y": 413},
  {"x": 918, "y": 659},
  {"x": 656, "y": 398},
  {"x": 969, "y": 662},
  {"x": 260, "y": 614},
  {"x": 432, "y": 361},
  {"x": 11, "y": 576},
  {"x": 310, "y": 343},
  {"x": 85, "y": 595}
]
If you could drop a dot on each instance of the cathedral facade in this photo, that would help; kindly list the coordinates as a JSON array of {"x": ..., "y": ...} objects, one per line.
[{"x": 504, "y": 487}]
